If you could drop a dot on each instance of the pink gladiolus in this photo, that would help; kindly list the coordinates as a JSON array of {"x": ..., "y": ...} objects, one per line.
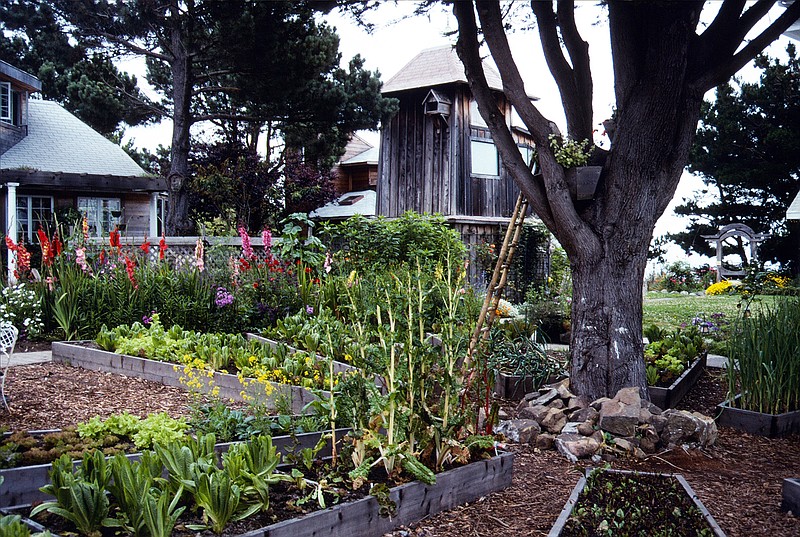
[
  {"x": 247, "y": 249},
  {"x": 80, "y": 259},
  {"x": 266, "y": 239},
  {"x": 199, "y": 254}
]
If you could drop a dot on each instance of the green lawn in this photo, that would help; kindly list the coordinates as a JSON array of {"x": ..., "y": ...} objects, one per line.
[{"x": 670, "y": 311}]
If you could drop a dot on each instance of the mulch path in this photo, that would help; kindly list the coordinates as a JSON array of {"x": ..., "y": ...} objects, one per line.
[{"x": 739, "y": 479}]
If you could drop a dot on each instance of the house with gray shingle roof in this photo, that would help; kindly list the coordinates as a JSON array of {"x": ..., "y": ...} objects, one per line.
[
  {"x": 52, "y": 162},
  {"x": 437, "y": 154}
]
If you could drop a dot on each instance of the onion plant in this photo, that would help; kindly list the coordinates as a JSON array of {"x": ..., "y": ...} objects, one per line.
[{"x": 764, "y": 359}]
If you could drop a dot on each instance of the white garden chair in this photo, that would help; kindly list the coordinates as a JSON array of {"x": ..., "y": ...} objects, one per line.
[{"x": 8, "y": 339}]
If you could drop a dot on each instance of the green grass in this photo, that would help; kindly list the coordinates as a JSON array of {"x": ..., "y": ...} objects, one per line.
[{"x": 670, "y": 311}]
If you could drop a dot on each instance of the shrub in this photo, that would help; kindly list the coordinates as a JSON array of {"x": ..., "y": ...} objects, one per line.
[{"x": 719, "y": 288}]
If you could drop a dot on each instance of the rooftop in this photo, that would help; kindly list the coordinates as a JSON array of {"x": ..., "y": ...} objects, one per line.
[
  {"x": 434, "y": 67},
  {"x": 59, "y": 142}
]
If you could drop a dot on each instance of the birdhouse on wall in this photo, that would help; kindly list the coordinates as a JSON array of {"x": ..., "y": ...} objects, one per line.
[{"x": 436, "y": 104}]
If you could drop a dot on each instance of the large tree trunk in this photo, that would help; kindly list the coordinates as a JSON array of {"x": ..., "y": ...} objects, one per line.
[
  {"x": 606, "y": 339},
  {"x": 178, "y": 221}
]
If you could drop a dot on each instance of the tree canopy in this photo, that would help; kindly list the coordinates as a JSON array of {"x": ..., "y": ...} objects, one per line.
[
  {"x": 88, "y": 84},
  {"x": 249, "y": 67},
  {"x": 747, "y": 151}
]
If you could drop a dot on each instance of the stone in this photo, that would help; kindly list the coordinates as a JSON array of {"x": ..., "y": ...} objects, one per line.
[
  {"x": 639, "y": 454},
  {"x": 574, "y": 446},
  {"x": 571, "y": 427},
  {"x": 598, "y": 403},
  {"x": 556, "y": 403},
  {"x": 653, "y": 409},
  {"x": 624, "y": 444},
  {"x": 522, "y": 405},
  {"x": 658, "y": 422},
  {"x": 563, "y": 383},
  {"x": 707, "y": 435},
  {"x": 544, "y": 397},
  {"x": 502, "y": 415},
  {"x": 619, "y": 418},
  {"x": 585, "y": 414},
  {"x": 629, "y": 396},
  {"x": 586, "y": 428},
  {"x": 681, "y": 427},
  {"x": 536, "y": 412},
  {"x": 563, "y": 391},
  {"x": 648, "y": 439},
  {"x": 519, "y": 430},
  {"x": 545, "y": 441},
  {"x": 644, "y": 415},
  {"x": 554, "y": 421},
  {"x": 576, "y": 403}
]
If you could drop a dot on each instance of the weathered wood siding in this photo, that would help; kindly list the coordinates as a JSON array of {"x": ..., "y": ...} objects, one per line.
[
  {"x": 414, "y": 171},
  {"x": 425, "y": 162}
]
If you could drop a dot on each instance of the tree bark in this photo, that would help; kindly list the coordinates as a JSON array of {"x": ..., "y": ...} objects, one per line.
[{"x": 178, "y": 221}]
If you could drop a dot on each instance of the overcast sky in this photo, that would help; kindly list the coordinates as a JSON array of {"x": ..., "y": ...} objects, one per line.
[{"x": 398, "y": 37}]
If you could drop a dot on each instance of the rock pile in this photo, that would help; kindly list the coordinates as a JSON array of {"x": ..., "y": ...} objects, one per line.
[{"x": 605, "y": 428}]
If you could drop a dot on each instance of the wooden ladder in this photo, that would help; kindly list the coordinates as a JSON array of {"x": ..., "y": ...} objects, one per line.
[{"x": 499, "y": 280}]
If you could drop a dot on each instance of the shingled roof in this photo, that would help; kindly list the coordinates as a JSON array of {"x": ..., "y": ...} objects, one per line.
[
  {"x": 58, "y": 142},
  {"x": 434, "y": 67}
]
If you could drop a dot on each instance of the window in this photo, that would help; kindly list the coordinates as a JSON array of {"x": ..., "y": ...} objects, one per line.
[
  {"x": 102, "y": 214},
  {"x": 475, "y": 117},
  {"x": 528, "y": 153},
  {"x": 484, "y": 158},
  {"x": 5, "y": 102},
  {"x": 33, "y": 212}
]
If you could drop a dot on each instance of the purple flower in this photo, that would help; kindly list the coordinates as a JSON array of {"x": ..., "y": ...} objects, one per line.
[
  {"x": 224, "y": 298},
  {"x": 310, "y": 310}
]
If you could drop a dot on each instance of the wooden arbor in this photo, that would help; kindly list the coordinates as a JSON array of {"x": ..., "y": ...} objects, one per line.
[{"x": 739, "y": 232}]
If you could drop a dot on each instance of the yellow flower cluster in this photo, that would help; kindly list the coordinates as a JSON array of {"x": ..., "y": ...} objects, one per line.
[
  {"x": 197, "y": 376},
  {"x": 719, "y": 288},
  {"x": 779, "y": 281}
]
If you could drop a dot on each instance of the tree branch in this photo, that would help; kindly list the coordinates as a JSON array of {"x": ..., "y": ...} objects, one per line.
[
  {"x": 563, "y": 73},
  {"x": 719, "y": 68},
  {"x": 578, "y": 50}
]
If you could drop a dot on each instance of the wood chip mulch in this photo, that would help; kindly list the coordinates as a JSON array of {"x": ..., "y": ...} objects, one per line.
[{"x": 739, "y": 479}]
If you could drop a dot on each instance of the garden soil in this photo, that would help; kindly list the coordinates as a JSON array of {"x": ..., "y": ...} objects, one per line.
[{"x": 739, "y": 479}]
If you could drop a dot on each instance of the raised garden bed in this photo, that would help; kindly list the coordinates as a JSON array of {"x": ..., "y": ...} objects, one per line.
[
  {"x": 759, "y": 423},
  {"x": 21, "y": 485},
  {"x": 791, "y": 496},
  {"x": 78, "y": 354},
  {"x": 670, "y": 396},
  {"x": 413, "y": 502},
  {"x": 513, "y": 387},
  {"x": 580, "y": 499}
]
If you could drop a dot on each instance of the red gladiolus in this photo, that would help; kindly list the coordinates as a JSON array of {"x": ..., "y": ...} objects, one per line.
[
  {"x": 145, "y": 247},
  {"x": 113, "y": 238},
  {"x": 56, "y": 245},
  {"x": 129, "y": 266},
  {"x": 44, "y": 243},
  {"x": 162, "y": 247},
  {"x": 102, "y": 256}
]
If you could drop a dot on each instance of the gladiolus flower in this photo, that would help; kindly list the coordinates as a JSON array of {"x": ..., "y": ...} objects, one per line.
[
  {"x": 162, "y": 246},
  {"x": 44, "y": 243},
  {"x": 113, "y": 238},
  {"x": 85, "y": 228},
  {"x": 80, "y": 259},
  {"x": 266, "y": 239},
  {"x": 145, "y": 247},
  {"x": 199, "y": 254},
  {"x": 247, "y": 248},
  {"x": 129, "y": 266}
]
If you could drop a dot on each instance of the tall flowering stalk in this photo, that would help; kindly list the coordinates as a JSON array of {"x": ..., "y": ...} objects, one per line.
[
  {"x": 23, "y": 257},
  {"x": 130, "y": 265},
  {"x": 114, "y": 240},
  {"x": 80, "y": 259},
  {"x": 47, "y": 250},
  {"x": 247, "y": 248},
  {"x": 145, "y": 246},
  {"x": 199, "y": 254},
  {"x": 162, "y": 247},
  {"x": 85, "y": 229}
]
